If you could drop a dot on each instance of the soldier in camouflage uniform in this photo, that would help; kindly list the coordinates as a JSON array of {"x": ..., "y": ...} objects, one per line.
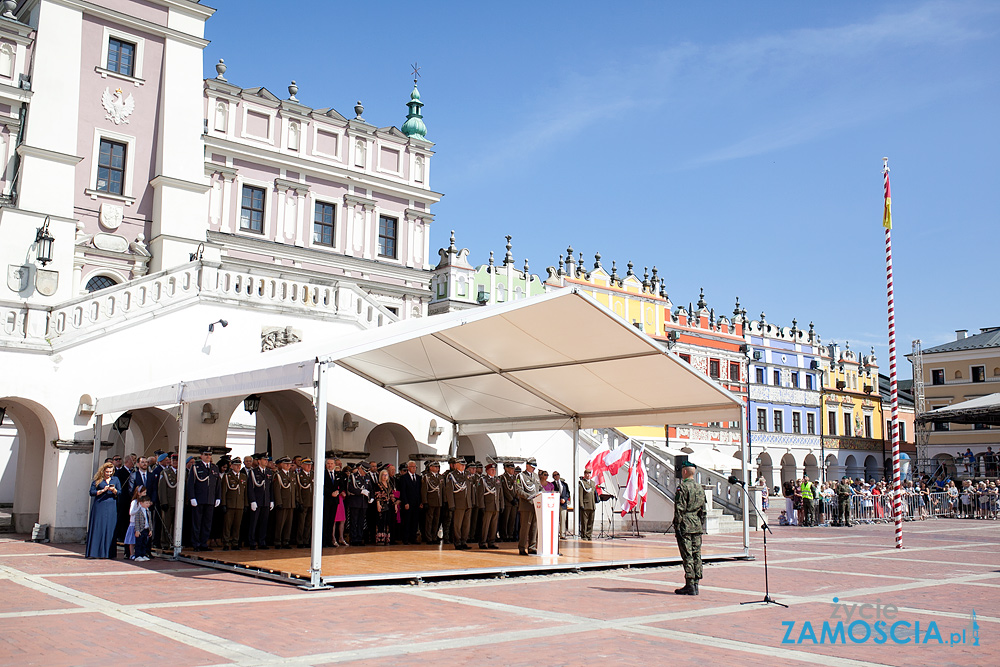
[
  {"x": 689, "y": 519},
  {"x": 844, "y": 492}
]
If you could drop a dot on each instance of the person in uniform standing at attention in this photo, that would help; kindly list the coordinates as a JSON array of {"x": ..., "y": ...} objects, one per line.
[
  {"x": 689, "y": 519},
  {"x": 283, "y": 490},
  {"x": 166, "y": 494},
  {"x": 528, "y": 485},
  {"x": 446, "y": 510},
  {"x": 508, "y": 515},
  {"x": 475, "y": 476},
  {"x": 261, "y": 502},
  {"x": 587, "y": 500},
  {"x": 488, "y": 500},
  {"x": 456, "y": 491},
  {"x": 432, "y": 497},
  {"x": 844, "y": 492},
  {"x": 204, "y": 494},
  {"x": 358, "y": 493},
  {"x": 234, "y": 498},
  {"x": 562, "y": 488},
  {"x": 304, "y": 481}
]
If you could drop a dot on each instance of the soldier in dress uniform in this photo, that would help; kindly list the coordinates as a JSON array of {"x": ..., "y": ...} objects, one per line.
[
  {"x": 166, "y": 493},
  {"x": 204, "y": 494},
  {"x": 260, "y": 500},
  {"x": 304, "y": 481},
  {"x": 689, "y": 519},
  {"x": 475, "y": 476},
  {"x": 489, "y": 498},
  {"x": 283, "y": 489},
  {"x": 358, "y": 493},
  {"x": 432, "y": 497},
  {"x": 508, "y": 516},
  {"x": 527, "y": 486},
  {"x": 587, "y": 501},
  {"x": 234, "y": 499},
  {"x": 456, "y": 491},
  {"x": 844, "y": 492}
]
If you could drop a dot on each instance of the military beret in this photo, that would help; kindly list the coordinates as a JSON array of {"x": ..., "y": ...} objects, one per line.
[
  {"x": 491, "y": 466},
  {"x": 306, "y": 460},
  {"x": 161, "y": 458},
  {"x": 531, "y": 462},
  {"x": 688, "y": 464},
  {"x": 189, "y": 459}
]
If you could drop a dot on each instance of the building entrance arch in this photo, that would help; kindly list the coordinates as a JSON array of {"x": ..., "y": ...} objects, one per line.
[
  {"x": 477, "y": 447},
  {"x": 391, "y": 443},
  {"x": 35, "y": 463},
  {"x": 811, "y": 467},
  {"x": 788, "y": 468},
  {"x": 871, "y": 468},
  {"x": 765, "y": 469}
]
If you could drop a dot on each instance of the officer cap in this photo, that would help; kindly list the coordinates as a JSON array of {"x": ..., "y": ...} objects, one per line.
[
  {"x": 236, "y": 460},
  {"x": 531, "y": 462},
  {"x": 434, "y": 464},
  {"x": 688, "y": 464},
  {"x": 223, "y": 460},
  {"x": 383, "y": 466},
  {"x": 257, "y": 456},
  {"x": 452, "y": 461},
  {"x": 283, "y": 459},
  {"x": 306, "y": 460},
  {"x": 517, "y": 469},
  {"x": 479, "y": 466},
  {"x": 363, "y": 463},
  {"x": 508, "y": 464},
  {"x": 207, "y": 450}
]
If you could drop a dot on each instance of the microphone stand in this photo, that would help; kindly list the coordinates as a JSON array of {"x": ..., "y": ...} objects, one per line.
[{"x": 767, "y": 594}]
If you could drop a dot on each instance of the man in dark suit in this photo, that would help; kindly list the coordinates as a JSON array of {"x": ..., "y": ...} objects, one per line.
[
  {"x": 409, "y": 498},
  {"x": 204, "y": 494},
  {"x": 260, "y": 502}
]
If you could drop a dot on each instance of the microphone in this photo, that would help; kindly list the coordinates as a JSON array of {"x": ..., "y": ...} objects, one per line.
[{"x": 734, "y": 480}]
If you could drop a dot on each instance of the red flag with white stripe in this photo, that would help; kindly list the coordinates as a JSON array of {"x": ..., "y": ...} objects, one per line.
[{"x": 635, "y": 488}]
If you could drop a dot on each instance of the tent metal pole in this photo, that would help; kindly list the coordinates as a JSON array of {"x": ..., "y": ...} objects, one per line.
[
  {"x": 179, "y": 499},
  {"x": 454, "y": 439},
  {"x": 744, "y": 454},
  {"x": 98, "y": 427},
  {"x": 576, "y": 473},
  {"x": 319, "y": 459}
]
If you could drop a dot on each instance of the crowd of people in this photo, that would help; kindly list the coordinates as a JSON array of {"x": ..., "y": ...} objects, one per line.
[{"x": 258, "y": 503}]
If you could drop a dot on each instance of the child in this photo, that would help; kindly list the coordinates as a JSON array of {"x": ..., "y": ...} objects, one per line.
[
  {"x": 133, "y": 509},
  {"x": 783, "y": 519},
  {"x": 143, "y": 529}
]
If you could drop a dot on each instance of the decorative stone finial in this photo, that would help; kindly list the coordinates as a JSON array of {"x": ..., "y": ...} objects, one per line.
[
  {"x": 736, "y": 310},
  {"x": 701, "y": 299},
  {"x": 629, "y": 271},
  {"x": 569, "y": 253},
  {"x": 597, "y": 260},
  {"x": 580, "y": 271},
  {"x": 358, "y": 110},
  {"x": 491, "y": 258},
  {"x": 526, "y": 275},
  {"x": 795, "y": 329},
  {"x": 645, "y": 279},
  {"x": 220, "y": 68},
  {"x": 561, "y": 272},
  {"x": 763, "y": 319},
  {"x": 292, "y": 90},
  {"x": 614, "y": 271},
  {"x": 452, "y": 248},
  {"x": 8, "y": 9},
  {"x": 508, "y": 258}
]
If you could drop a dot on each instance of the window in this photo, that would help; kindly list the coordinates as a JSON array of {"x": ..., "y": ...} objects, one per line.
[
  {"x": 831, "y": 420},
  {"x": 252, "y": 210},
  {"x": 811, "y": 424},
  {"x": 387, "y": 236},
  {"x": 393, "y": 309},
  {"x": 99, "y": 282},
  {"x": 795, "y": 380},
  {"x": 777, "y": 378},
  {"x": 944, "y": 426},
  {"x": 760, "y": 376},
  {"x": 734, "y": 371},
  {"x": 902, "y": 431},
  {"x": 111, "y": 167},
  {"x": 868, "y": 426},
  {"x": 809, "y": 381},
  {"x": 796, "y": 422},
  {"x": 888, "y": 430},
  {"x": 847, "y": 424},
  {"x": 121, "y": 56},
  {"x": 778, "y": 418},
  {"x": 979, "y": 373},
  {"x": 713, "y": 368},
  {"x": 323, "y": 224},
  {"x": 686, "y": 357},
  {"x": 937, "y": 376},
  {"x": 761, "y": 419}
]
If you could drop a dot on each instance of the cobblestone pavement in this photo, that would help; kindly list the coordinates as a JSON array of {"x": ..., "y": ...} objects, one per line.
[{"x": 56, "y": 608}]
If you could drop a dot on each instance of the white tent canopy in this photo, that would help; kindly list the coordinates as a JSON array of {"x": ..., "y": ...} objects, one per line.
[{"x": 561, "y": 360}]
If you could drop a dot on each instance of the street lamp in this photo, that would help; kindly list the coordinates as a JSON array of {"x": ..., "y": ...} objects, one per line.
[{"x": 44, "y": 242}]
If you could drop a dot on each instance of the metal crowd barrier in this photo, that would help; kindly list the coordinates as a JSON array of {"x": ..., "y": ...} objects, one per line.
[{"x": 871, "y": 509}]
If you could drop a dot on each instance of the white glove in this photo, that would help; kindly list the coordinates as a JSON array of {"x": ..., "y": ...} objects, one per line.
[
  {"x": 272, "y": 505},
  {"x": 253, "y": 507},
  {"x": 194, "y": 503},
  {"x": 365, "y": 492},
  {"x": 217, "y": 501}
]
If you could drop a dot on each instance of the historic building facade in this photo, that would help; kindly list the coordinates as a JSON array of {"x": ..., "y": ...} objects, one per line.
[
  {"x": 785, "y": 380},
  {"x": 852, "y": 415}
]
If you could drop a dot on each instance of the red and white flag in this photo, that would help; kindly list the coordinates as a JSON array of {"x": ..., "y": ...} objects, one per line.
[
  {"x": 596, "y": 463},
  {"x": 617, "y": 457},
  {"x": 635, "y": 489}
]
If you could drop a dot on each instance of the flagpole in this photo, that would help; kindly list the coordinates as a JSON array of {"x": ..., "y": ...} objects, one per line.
[{"x": 897, "y": 504}]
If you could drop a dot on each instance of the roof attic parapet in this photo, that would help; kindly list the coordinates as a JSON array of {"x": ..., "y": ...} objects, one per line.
[{"x": 792, "y": 334}]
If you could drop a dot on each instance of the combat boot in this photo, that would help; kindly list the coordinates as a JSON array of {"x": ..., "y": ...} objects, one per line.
[{"x": 688, "y": 589}]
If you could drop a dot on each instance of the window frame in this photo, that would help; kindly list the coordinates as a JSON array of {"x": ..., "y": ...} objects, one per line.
[
  {"x": 119, "y": 45},
  {"x": 810, "y": 423},
  {"x": 779, "y": 421},
  {"x": 714, "y": 369},
  {"x": 762, "y": 419},
  {"x": 110, "y": 169},
  {"x": 848, "y": 424},
  {"x": 734, "y": 377},
  {"x": 796, "y": 421},
  {"x": 972, "y": 373},
  {"x": 394, "y": 238},
  {"x": 761, "y": 377},
  {"x": 263, "y": 210},
  {"x": 831, "y": 421},
  {"x": 137, "y": 60},
  {"x": 776, "y": 374},
  {"x": 332, "y": 224},
  {"x": 127, "y": 187},
  {"x": 938, "y": 373}
]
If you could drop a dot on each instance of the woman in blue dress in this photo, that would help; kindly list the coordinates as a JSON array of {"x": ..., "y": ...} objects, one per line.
[{"x": 103, "y": 512}]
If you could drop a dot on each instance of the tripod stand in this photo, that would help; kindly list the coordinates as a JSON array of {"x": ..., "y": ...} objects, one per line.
[{"x": 767, "y": 594}]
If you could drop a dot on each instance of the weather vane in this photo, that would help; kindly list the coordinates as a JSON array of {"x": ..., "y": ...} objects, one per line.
[{"x": 416, "y": 72}]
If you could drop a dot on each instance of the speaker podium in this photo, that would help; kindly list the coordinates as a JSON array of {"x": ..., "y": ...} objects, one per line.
[{"x": 547, "y": 522}]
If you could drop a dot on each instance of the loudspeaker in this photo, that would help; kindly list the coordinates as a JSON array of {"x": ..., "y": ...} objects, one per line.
[{"x": 679, "y": 460}]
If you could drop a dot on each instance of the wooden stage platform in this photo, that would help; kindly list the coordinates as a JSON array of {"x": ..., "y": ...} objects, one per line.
[{"x": 395, "y": 564}]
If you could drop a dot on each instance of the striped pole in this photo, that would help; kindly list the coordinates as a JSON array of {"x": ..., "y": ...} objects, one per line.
[{"x": 897, "y": 501}]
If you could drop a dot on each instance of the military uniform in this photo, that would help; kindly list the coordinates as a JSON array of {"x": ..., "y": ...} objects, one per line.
[
  {"x": 459, "y": 499},
  {"x": 689, "y": 519},
  {"x": 234, "y": 499},
  {"x": 304, "y": 489},
  {"x": 167, "y": 495},
  {"x": 358, "y": 493},
  {"x": 204, "y": 494},
  {"x": 844, "y": 492},
  {"x": 587, "y": 501},
  {"x": 475, "y": 478},
  {"x": 260, "y": 500},
  {"x": 508, "y": 516},
  {"x": 432, "y": 497},
  {"x": 489, "y": 499},
  {"x": 283, "y": 488},
  {"x": 527, "y": 486}
]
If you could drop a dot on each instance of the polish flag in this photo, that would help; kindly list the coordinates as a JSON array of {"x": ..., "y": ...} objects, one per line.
[
  {"x": 618, "y": 457},
  {"x": 635, "y": 489},
  {"x": 596, "y": 463}
]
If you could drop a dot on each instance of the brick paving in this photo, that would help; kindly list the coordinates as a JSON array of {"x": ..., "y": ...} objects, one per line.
[{"x": 57, "y": 608}]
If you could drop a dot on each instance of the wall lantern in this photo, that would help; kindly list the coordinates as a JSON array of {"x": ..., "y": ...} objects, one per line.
[
  {"x": 44, "y": 242},
  {"x": 251, "y": 403},
  {"x": 122, "y": 423}
]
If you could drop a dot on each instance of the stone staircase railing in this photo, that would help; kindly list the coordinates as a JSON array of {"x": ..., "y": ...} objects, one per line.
[{"x": 91, "y": 314}]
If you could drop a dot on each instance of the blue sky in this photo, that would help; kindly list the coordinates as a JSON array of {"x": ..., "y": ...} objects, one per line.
[{"x": 735, "y": 145}]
